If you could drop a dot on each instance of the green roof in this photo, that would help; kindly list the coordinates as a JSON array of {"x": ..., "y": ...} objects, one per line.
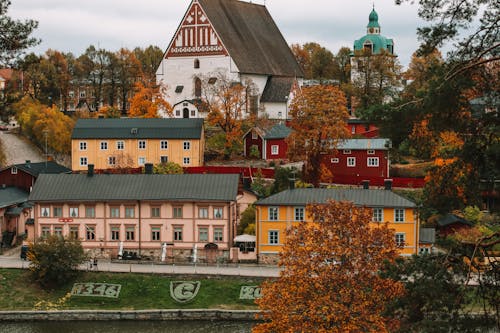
[
  {"x": 360, "y": 197},
  {"x": 379, "y": 43},
  {"x": 35, "y": 169},
  {"x": 12, "y": 196},
  {"x": 138, "y": 128},
  {"x": 373, "y": 20},
  {"x": 278, "y": 131},
  {"x": 125, "y": 187}
]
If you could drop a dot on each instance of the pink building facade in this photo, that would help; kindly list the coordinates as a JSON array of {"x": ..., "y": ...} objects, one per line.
[{"x": 158, "y": 217}]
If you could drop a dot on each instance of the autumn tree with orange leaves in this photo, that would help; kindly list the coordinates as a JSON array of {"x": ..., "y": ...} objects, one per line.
[
  {"x": 330, "y": 280},
  {"x": 319, "y": 116},
  {"x": 148, "y": 101},
  {"x": 226, "y": 102}
]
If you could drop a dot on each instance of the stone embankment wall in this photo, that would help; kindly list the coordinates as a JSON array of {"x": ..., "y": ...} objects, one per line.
[{"x": 69, "y": 315}]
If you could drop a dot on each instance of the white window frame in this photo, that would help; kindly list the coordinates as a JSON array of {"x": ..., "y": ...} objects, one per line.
[
  {"x": 141, "y": 144},
  {"x": 273, "y": 237},
  {"x": 372, "y": 162},
  {"x": 73, "y": 212},
  {"x": 129, "y": 212},
  {"x": 120, "y": 145},
  {"x": 204, "y": 231},
  {"x": 13, "y": 170},
  {"x": 218, "y": 212},
  {"x": 351, "y": 162},
  {"x": 346, "y": 151},
  {"x": 164, "y": 144},
  {"x": 84, "y": 161},
  {"x": 334, "y": 160},
  {"x": 83, "y": 145},
  {"x": 104, "y": 145},
  {"x": 186, "y": 145},
  {"x": 203, "y": 212},
  {"x": 141, "y": 161},
  {"x": 371, "y": 152},
  {"x": 298, "y": 213},
  {"x": 275, "y": 149},
  {"x": 111, "y": 160},
  {"x": 378, "y": 215},
  {"x": 273, "y": 213},
  {"x": 186, "y": 161},
  {"x": 255, "y": 136},
  {"x": 400, "y": 238},
  {"x": 398, "y": 217},
  {"x": 45, "y": 211}
]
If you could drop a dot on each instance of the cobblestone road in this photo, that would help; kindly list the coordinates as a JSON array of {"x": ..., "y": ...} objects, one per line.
[{"x": 17, "y": 149}]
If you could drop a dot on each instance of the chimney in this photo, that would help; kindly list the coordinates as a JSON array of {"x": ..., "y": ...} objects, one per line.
[
  {"x": 148, "y": 168},
  {"x": 388, "y": 184},
  {"x": 90, "y": 172},
  {"x": 28, "y": 163},
  {"x": 292, "y": 183},
  {"x": 366, "y": 184}
]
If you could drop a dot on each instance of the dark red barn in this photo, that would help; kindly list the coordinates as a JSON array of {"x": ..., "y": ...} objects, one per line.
[{"x": 267, "y": 144}]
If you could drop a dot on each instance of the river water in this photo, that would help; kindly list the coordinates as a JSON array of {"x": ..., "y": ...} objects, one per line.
[{"x": 127, "y": 327}]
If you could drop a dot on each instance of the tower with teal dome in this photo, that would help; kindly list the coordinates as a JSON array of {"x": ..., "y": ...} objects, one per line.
[{"x": 373, "y": 42}]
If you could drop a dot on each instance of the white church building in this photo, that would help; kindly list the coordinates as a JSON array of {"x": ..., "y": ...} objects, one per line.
[{"x": 238, "y": 39}]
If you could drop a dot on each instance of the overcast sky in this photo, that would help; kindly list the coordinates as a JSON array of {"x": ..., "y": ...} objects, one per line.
[{"x": 71, "y": 25}]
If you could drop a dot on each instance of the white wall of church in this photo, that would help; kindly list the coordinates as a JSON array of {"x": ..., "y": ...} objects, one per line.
[{"x": 276, "y": 111}]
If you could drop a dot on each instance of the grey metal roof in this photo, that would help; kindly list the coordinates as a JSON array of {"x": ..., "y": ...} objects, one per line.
[
  {"x": 12, "y": 196},
  {"x": 124, "y": 187},
  {"x": 35, "y": 169},
  {"x": 145, "y": 128},
  {"x": 278, "y": 131},
  {"x": 277, "y": 89},
  {"x": 360, "y": 197},
  {"x": 362, "y": 144},
  {"x": 251, "y": 37},
  {"x": 427, "y": 235}
]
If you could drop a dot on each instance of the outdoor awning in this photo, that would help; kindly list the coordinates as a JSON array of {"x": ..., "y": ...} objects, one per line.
[{"x": 245, "y": 239}]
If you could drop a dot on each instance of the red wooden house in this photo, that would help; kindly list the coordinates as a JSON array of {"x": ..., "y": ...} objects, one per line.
[
  {"x": 24, "y": 175},
  {"x": 358, "y": 127},
  {"x": 267, "y": 144},
  {"x": 360, "y": 158}
]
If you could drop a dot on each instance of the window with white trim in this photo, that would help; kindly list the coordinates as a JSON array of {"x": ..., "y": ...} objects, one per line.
[
  {"x": 351, "y": 161},
  {"x": 45, "y": 211},
  {"x": 378, "y": 215},
  {"x": 203, "y": 234},
  {"x": 370, "y": 152},
  {"x": 399, "y": 215},
  {"x": 275, "y": 149},
  {"x": 400, "y": 238},
  {"x": 218, "y": 212},
  {"x": 372, "y": 162},
  {"x": 83, "y": 145},
  {"x": 186, "y": 145},
  {"x": 111, "y": 160},
  {"x": 141, "y": 161},
  {"x": 120, "y": 145},
  {"x": 186, "y": 160},
  {"x": 83, "y": 161},
  {"x": 73, "y": 211},
  {"x": 346, "y": 151},
  {"x": 142, "y": 144},
  {"x": 299, "y": 214},
  {"x": 130, "y": 212},
  {"x": 254, "y": 135},
  {"x": 203, "y": 212},
  {"x": 273, "y": 214},
  {"x": 334, "y": 160},
  {"x": 89, "y": 211},
  {"x": 13, "y": 170},
  {"x": 164, "y": 144},
  {"x": 273, "y": 237},
  {"x": 104, "y": 145}
]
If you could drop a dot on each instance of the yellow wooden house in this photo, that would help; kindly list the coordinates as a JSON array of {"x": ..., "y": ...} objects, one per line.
[
  {"x": 133, "y": 142},
  {"x": 283, "y": 210}
]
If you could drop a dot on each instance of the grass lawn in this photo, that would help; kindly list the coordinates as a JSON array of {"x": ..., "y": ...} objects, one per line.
[{"x": 138, "y": 292}]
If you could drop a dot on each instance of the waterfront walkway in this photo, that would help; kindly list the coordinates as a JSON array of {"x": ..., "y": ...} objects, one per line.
[{"x": 245, "y": 270}]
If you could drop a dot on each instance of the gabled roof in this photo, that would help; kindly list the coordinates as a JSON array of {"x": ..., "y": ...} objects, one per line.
[
  {"x": 251, "y": 37},
  {"x": 364, "y": 144},
  {"x": 35, "y": 169},
  {"x": 138, "y": 128},
  {"x": 124, "y": 187},
  {"x": 360, "y": 197},
  {"x": 277, "y": 89},
  {"x": 12, "y": 196},
  {"x": 450, "y": 219},
  {"x": 278, "y": 131}
]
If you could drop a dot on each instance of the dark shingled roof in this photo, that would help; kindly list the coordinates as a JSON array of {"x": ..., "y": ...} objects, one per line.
[
  {"x": 145, "y": 128},
  {"x": 360, "y": 197},
  {"x": 449, "y": 219},
  {"x": 251, "y": 37},
  {"x": 102, "y": 187},
  {"x": 277, "y": 89},
  {"x": 12, "y": 196},
  {"x": 278, "y": 131},
  {"x": 35, "y": 169}
]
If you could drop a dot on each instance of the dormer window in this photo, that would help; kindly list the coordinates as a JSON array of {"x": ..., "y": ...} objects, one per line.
[
  {"x": 13, "y": 170},
  {"x": 368, "y": 46}
]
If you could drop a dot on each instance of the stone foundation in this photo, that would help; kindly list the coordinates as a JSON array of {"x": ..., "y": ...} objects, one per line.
[{"x": 268, "y": 259}]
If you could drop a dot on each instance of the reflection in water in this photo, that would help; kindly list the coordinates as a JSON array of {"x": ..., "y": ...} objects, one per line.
[{"x": 127, "y": 327}]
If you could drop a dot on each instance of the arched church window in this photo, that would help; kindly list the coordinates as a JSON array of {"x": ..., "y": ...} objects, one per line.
[
  {"x": 197, "y": 87},
  {"x": 368, "y": 46},
  {"x": 196, "y": 63}
]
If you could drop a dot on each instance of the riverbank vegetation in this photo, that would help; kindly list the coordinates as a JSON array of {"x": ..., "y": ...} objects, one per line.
[{"x": 138, "y": 292}]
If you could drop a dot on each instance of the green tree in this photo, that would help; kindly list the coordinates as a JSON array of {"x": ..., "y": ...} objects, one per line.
[
  {"x": 150, "y": 57},
  {"x": 282, "y": 179},
  {"x": 169, "y": 168},
  {"x": 330, "y": 280},
  {"x": 55, "y": 260},
  {"x": 247, "y": 221},
  {"x": 14, "y": 35}
]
